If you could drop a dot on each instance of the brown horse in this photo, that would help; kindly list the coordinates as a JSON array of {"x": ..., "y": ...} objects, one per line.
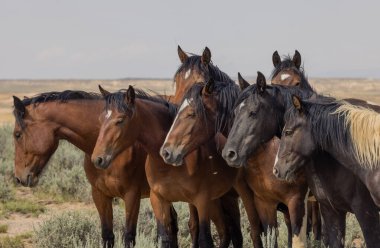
[
  {"x": 131, "y": 117},
  {"x": 43, "y": 120},
  {"x": 289, "y": 72},
  {"x": 206, "y": 110},
  {"x": 193, "y": 69}
]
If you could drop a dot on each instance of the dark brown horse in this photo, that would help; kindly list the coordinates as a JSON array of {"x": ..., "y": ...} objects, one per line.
[
  {"x": 207, "y": 110},
  {"x": 335, "y": 187},
  {"x": 305, "y": 136},
  {"x": 289, "y": 72},
  {"x": 131, "y": 117},
  {"x": 43, "y": 120}
]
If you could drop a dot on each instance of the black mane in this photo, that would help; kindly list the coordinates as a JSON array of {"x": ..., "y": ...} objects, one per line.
[
  {"x": 225, "y": 94},
  {"x": 63, "y": 96},
  {"x": 285, "y": 91},
  {"x": 287, "y": 63},
  {"x": 194, "y": 62},
  {"x": 327, "y": 129},
  {"x": 117, "y": 99}
]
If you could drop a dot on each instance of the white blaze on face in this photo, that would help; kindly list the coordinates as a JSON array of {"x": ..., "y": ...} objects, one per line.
[
  {"x": 284, "y": 76},
  {"x": 276, "y": 160},
  {"x": 241, "y": 105},
  {"x": 185, "y": 103},
  {"x": 109, "y": 113},
  {"x": 187, "y": 74}
]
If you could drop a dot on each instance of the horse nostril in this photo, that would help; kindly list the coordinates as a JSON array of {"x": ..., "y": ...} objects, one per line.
[
  {"x": 18, "y": 181},
  {"x": 231, "y": 155},
  {"x": 275, "y": 172},
  {"x": 165, "y": 153},
  {"x": 99, "y": 161}
]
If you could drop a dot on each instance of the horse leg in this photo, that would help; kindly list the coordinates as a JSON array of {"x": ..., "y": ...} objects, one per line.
[
  {"x": 373, "y": 182},
  {"x": 230, "y": 205},
  {"x": 334, "y": 226},
  {"x": 218, "y": 217},
  {"x": 247, "y": 198},
  {"x": 368, "y": 217},
  {"x": 288, "y": 226},
  {"x": 103, "y": 204},
  {"x": 205, "y": 238},
  {"x": 162, "y": 211},
  {"x": 316, "y": 220},
  {"x": 132, "y": 207},
  {"x": 297, "y": 212},
  {"x": 268, "y": 215},
  {"x": 193, "y": 225}
]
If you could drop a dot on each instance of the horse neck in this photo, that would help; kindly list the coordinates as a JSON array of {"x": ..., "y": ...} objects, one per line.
[
  {"x": 155, "y": 121},
  {"x": 78, "y": 121}
]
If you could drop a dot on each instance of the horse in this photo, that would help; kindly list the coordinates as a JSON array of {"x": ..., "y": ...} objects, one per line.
[
  {"x": 301, "y": 124},
  {"x": 45, "y": 119},
  {"x": 289, "y": 72},
  {"x": 333, "y": 185},
  {"x": 207, "y": 111},
  {"x": 192, "y": 69},
  {"x": 132, "y": 116},
  {"x": 292, "y": 72}
]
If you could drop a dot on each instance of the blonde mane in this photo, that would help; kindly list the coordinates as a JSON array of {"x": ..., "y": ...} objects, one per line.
[{"x": 364, "y": 127}]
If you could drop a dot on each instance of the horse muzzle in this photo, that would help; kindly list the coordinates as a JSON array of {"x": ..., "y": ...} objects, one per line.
[{"x": 172, "y": 156}]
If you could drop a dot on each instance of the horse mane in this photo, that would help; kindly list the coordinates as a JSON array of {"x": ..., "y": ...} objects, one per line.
[
  {"x": 225, "y": 94},
  {"x": 287, "y": 63},
  {"x": 194, "y": 62},
  {"x": 52, "y": 96},
  {"x": 285, "y": 91},
  {"x": 63, "y": 96},
  {"x": 117, "y": 99},
  {"x": 351, "y": 128}
]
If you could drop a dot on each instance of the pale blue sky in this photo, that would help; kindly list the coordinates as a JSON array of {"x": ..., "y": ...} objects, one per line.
[{"x": 116, "y": 39}]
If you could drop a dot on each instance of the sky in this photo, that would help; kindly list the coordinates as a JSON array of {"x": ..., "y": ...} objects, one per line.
[{"x": 52, "y": 39}]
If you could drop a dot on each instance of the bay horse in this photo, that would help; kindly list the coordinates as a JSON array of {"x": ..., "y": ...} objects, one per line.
[
  {"x": 196, "y": 68},
  {"x": 133, "y": 116},
  {"x": 207, "y": 110},
  {"x": 337, "y": 189},
  {"x": 44, "y": 120}
]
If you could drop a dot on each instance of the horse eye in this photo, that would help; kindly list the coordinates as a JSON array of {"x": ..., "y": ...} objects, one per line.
[
  {"x": 17, "y": 135},
  {"x": 252, "y": 114},
  {"x": 288, "y": 132},
  {"x": 191, "y": 115},
  {"x": 119, "y": 121}
]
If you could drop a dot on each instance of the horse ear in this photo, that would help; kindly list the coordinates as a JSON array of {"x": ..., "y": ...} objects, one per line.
[
  {"x": 19, "y": 106},
  {"x": 297, "y": 59},
  {"x": 209, "y": 88},
  {"x": 103, "y": 91},
  {"x": 242, "y": 82},
  {"x": 206, "y": 56},
  {"x": 181, "y": 54},
  {"x": 276, "y": 59},
  {"x": 131, "y": 95},
  {"x": 297, "y": 103},
  {"x": 261, "y": 82}
]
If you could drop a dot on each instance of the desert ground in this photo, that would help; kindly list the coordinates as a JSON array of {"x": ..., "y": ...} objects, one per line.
[{"x": 29, "y": 216}]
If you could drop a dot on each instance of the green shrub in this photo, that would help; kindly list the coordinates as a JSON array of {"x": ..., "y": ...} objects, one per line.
[
  {"x": 68, "y": 229},
  {"x": 11, "y": 242},
  {"x": 3, "y": 228},
  {"x": 6, "y": 189},
  {"x": 22, "y": 207},
  {"x": 64, "y": 177}
]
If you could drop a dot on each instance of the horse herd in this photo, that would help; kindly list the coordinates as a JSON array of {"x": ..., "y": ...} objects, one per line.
[{"x": 210, "y": 143}]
